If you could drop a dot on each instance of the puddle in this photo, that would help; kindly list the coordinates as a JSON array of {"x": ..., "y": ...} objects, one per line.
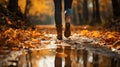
[{"x": 60, "y": 57}]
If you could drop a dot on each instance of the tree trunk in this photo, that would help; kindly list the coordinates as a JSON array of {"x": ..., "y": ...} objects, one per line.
[
  {"x": 119, "y": 3},
  {"x": 76, "y": 14},
  {"x": 27, "y": 8},
  {"x": 13, "y": 5},
  {"x": 96, "y": 13},
  {"x": 93, "y": 14},
  {"x": 79, "y": 10},
  {"x": 114, "y": 24},
  {"x": 85, "y": 11},
  {"x": 14, "y": 8},
  {"x": 116, "y": 9}
]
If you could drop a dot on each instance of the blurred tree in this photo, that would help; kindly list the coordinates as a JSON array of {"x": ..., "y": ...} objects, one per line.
[
  {"x": 95, "y": 59},
  {"x": 105, "y": 6},
  {"x": 76, "y": 12},
  {"x": 114, "y": 24},
  {"x": 14, "y": 8},
  {"x": 85, "y": 11},
  {"x": 79, "y": 7},
  {"x": 96, "y": 13},
  {"x": 85, "y": 57},
  {"x": 13, "y": 5},
  {"x": 116, "y": 9},
  {"x": 27, "y": 7}
]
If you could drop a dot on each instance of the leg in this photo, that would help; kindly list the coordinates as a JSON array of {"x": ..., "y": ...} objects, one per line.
[
  {"x": 68, "y": 6},
  {"x": 58, "y": 11},
  {"x": 68, "y": 17},
  {"x": 58, "y": 18}
]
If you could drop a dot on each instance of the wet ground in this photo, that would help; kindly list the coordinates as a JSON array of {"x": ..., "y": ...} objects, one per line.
[
  {"x": 61, "y": 56},
  {"x": 76, "y": 51}
]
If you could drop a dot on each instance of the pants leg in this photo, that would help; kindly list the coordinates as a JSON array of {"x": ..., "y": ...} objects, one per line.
[
  {"x": 58, "y": 12},
  {"x": 68, "y": 6}
]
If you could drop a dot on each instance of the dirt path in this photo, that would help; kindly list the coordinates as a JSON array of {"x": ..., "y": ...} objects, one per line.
[{"x": 75, "y": 49}]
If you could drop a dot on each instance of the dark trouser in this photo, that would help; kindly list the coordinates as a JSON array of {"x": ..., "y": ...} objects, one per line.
[{"x": 58, "y": 10}]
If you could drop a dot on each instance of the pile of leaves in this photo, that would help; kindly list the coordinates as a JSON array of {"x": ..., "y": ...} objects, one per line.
[
  {"x": 17, "y": 38},
  {"x": 103, "y": 37}
]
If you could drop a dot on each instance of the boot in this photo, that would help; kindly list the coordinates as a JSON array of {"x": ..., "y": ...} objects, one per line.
[
  {"x": 67, "y": 32},
  {"x": 68, "y": 20},
  {"x": 59, "y": 32}
]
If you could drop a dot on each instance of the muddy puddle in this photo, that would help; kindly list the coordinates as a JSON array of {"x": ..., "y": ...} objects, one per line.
[{"x": 62, "y": 56}]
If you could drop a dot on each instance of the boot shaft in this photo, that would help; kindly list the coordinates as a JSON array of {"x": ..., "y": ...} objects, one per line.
[
  {"x": 59, "y": 27},
  {"x": 59, "y": 31}
]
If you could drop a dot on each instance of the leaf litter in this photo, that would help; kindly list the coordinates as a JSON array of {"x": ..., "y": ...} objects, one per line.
[{"x": 42, "y": 36}]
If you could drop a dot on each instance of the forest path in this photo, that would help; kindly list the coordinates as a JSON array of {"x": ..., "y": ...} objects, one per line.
[{"x": 77, "y": 47}]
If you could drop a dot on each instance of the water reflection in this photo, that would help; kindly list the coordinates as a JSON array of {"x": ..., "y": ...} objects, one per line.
[
  {"x": 42, "y": 58},
  {"x": 64, "y": 57},
  {"x": 67, "y": 57}
]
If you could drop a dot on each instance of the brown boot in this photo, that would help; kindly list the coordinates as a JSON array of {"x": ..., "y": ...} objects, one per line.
[
  {"x": 59, "y": 32},
  {"x": 68, "y": 20},
  {"x": 67, "y": 32}
]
